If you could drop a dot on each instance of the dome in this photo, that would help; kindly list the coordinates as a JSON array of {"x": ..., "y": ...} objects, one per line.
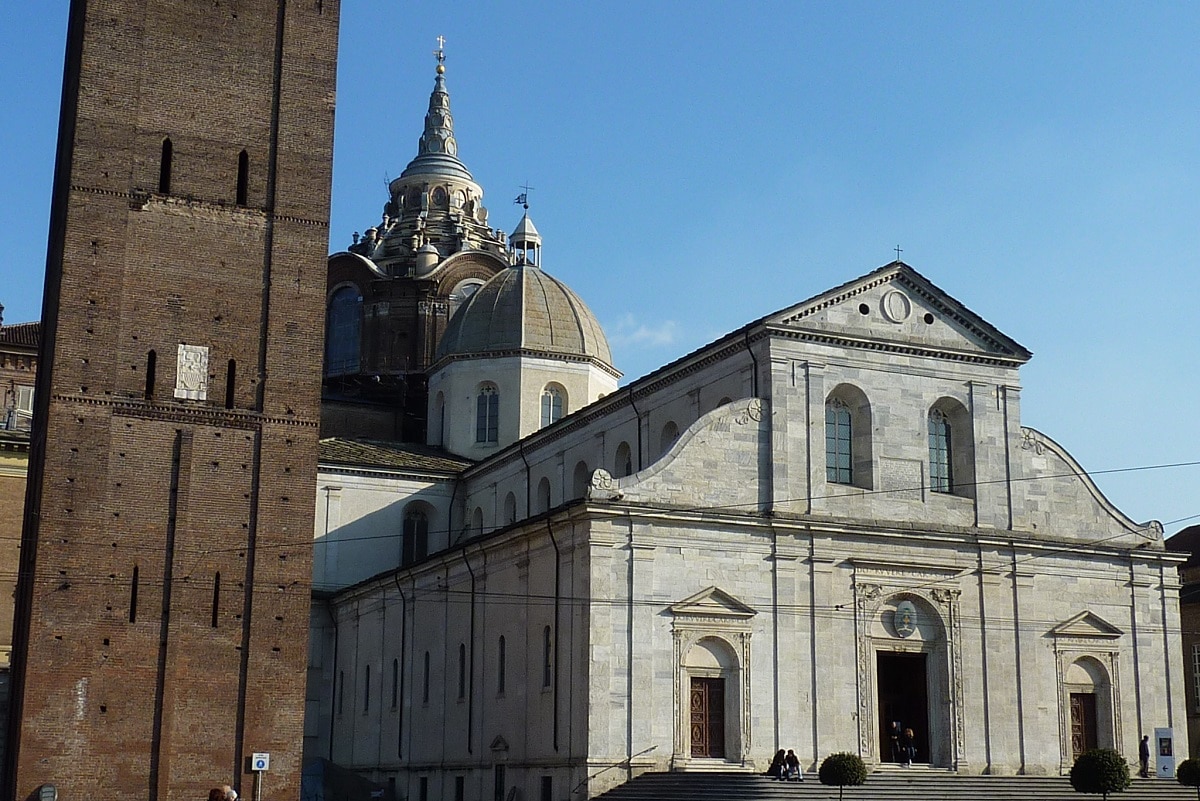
[{"x": 523, "y": 308}]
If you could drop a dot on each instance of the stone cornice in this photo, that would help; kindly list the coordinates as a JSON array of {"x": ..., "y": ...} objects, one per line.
[
  {"x": 194, "y": 415},
  {"x": 141, "y": 199},
  {"x": 863, "y": 343}
]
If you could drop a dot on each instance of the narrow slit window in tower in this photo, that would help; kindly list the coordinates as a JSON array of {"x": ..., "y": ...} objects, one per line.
[{"x": 164, "y": 167}]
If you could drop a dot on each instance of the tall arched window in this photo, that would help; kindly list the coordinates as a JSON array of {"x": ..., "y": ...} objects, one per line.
[
  {"x": 438, "y": 429},
  {"x": 543, "y": 495},
  {"x": 367, "y": 689},
  {"x": 580, "y": 480},
  {"x": 623, "y": 464},
  {"x": 477, "y": 521},
  {"x": 848, "y": 446},
  {"x": 343, "y": 326},
  {"x": 487, "y": 415},
  {"x": 415, "y": 543},
  {"x": 510, "y": 509},
  {"x": 501, "y": 668},
  {"x": 839, "y": 454},
  {"x": 941, "y": 470},
  {"x": 552, "y": 404},
  {"x": 951, "y": 449},
  {"x": 670, "y": 433},
  {"x": 547, "y": 658},
  {"x": 425, "y": 681},
  {"x": 462, "y": 671}
]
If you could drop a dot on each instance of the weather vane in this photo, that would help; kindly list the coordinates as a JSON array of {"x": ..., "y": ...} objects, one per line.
[
  {"x": 523, "y": 198},
  {"x": 440, "y": 52}
]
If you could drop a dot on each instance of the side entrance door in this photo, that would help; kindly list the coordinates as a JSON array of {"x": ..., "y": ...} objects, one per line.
[
  {"x": 708, "y": 718},
  {"x": 1083, "y": 722}
]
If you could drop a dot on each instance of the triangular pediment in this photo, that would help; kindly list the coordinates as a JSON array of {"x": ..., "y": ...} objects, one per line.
[
  {"x": 1087, "y": 625},
  {"x": 713, "y": 602},
  {"x": 895, "y": 307}
]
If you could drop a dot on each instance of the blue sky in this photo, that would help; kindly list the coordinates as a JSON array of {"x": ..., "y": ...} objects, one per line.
[{"x": 697, "y": 165}]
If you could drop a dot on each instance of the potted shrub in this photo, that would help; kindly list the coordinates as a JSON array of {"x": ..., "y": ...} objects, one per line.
[
  {"x": 842, "y": 770},
  {"x": 1188, "y": 774},
  {"x": 1101, "y": 770}
]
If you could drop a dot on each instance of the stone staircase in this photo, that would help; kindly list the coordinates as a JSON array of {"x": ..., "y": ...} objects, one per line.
[{"x": 887, "y": 785}]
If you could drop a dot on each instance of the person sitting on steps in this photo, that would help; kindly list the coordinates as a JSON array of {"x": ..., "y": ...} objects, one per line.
[{"x": 791, "y": 769}]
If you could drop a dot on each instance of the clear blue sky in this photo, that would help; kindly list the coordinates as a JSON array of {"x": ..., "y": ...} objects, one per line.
[{"x": 697, "y": 165}]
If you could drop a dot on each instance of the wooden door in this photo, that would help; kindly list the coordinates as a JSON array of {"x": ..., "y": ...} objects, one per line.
[
  {"x": 708, "y": 718},
  {"x": 1083, "y": 722}
]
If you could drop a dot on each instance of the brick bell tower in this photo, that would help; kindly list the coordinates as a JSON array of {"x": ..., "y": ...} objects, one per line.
[{"x": 163, "y": 600}]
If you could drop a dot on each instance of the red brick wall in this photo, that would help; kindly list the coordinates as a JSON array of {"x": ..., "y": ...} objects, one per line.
[{"x": 169, "y": 699}]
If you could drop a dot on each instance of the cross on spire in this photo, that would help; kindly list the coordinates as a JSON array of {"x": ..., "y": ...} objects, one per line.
[{"x": 440, "y": 53}]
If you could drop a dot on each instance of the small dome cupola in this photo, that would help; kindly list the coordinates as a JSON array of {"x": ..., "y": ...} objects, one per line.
[{"x": 525, "y": 243}]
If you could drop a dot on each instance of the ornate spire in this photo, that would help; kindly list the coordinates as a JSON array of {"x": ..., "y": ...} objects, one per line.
[{"x": 437, "y": 150}]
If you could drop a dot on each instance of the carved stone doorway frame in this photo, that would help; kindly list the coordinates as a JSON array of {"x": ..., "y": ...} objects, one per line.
[
  {"x": 717, "y": 616},
  {"x": 872, "y": 590}
]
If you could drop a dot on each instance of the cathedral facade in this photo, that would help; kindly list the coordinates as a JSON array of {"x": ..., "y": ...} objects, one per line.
[{"x": 825, "y": 522}]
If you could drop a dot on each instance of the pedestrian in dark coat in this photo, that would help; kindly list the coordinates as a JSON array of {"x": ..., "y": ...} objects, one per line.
[
  {"x": 908, "y": 744},
  {"x": 1144, "y": 756}
]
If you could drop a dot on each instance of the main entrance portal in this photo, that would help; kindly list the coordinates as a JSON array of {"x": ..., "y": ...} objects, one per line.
[
  {"x": 904, "y": 699},
  {"x": 708, "y": 717}
]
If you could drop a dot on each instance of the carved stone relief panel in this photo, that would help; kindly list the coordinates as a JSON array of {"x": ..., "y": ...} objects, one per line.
[{"x": 191, "y": 373}]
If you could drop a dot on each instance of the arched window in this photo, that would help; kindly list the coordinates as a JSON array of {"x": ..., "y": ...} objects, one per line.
[
  {"x": 543, "y": 495},
  {"x": 547, "y": 658},
  {"x": 487, "y": 415},
  {"x": 343, "y": 326},
  {"x": 670, "y": 433},
  {"x": 941, "y": 470},
  {"x": 477, "y": 520},
  {"x": 462, "y": 671},
  {"x": 415, "y": 543},
  {"x": 623, "y": 464},
  {"x": 581, "y": 479},
  {"x": 552, "y": 404},
  {"x": 848, "y": 446},
  {"x": 510, "y": 509},
  {"x": 951, "y": 449},
  {"x": 501, "y": 668},
  {"x": 839, "y": 454}
]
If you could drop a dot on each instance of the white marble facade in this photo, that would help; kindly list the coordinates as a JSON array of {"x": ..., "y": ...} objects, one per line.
[{"x": 725, "y": 599}]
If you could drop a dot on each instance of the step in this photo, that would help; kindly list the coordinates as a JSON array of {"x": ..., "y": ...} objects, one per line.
[{"x": 915, "y": 784}]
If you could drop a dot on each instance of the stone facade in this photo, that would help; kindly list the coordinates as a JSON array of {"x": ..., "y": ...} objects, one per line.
[
  {"x": 674, "y": 577},
  {"x": 163, "y": 605}
]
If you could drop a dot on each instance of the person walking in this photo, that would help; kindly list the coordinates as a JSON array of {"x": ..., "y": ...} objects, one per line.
[
  {"x": 909, "y": 745},
  {"x": 895, "y": 732},
  {"x": 1144, "y": 756}
]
